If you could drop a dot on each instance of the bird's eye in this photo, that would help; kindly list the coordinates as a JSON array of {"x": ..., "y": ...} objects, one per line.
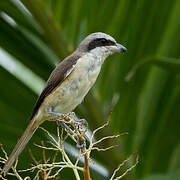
[
  {"x": 103, "y": 40},
  {"x": 100, "y": 42}
]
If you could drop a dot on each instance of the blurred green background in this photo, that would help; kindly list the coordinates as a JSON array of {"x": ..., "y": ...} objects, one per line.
[{"x": 35, "y": 35}]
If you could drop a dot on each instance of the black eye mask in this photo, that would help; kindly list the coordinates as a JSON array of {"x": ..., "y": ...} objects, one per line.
[{"x": 100, "y": 42}]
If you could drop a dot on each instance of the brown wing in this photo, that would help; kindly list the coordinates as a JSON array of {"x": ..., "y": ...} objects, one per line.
[{"x": 55, "y": 79}]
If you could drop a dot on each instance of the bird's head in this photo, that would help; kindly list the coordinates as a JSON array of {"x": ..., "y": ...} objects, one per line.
[{"x": 100, "y": 43}]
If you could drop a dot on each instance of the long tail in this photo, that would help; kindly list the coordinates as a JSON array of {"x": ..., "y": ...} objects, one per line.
[{"x": 20, "y": 146}]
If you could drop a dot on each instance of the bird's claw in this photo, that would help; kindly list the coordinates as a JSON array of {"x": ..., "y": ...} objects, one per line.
[{"x": 79, "y": 126}]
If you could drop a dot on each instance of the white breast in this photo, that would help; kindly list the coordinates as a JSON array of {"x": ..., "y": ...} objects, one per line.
[{"x": 73, "y": 90}]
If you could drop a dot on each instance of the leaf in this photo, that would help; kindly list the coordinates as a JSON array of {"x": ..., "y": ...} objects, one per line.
[{"x": 171, "y": 64}]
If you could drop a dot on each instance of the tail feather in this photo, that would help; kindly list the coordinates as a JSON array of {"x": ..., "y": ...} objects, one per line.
[{"x": 19, "y": 146}]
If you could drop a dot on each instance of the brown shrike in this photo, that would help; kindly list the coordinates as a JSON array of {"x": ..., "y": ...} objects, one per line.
[{"x": 68, "y": 84}]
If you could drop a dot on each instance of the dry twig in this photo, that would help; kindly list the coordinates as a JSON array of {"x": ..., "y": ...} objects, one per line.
[{"x": 50, "y": 168}]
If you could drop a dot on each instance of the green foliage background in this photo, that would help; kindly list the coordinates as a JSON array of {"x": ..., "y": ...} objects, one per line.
[{"x": 39, "y": 34}]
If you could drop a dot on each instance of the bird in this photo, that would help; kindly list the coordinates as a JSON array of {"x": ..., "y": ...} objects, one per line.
[{"x": 67, "y": 85}]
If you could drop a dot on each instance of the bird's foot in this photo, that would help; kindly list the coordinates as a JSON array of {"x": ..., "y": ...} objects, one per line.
[
  {"x": 80, "y": 127},
  {"x": 59, "y": 117},
  {"x": 73, "y": 125}
]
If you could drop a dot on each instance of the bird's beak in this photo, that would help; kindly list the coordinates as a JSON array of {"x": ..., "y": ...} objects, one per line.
[{"x": 118, "y": 48}]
